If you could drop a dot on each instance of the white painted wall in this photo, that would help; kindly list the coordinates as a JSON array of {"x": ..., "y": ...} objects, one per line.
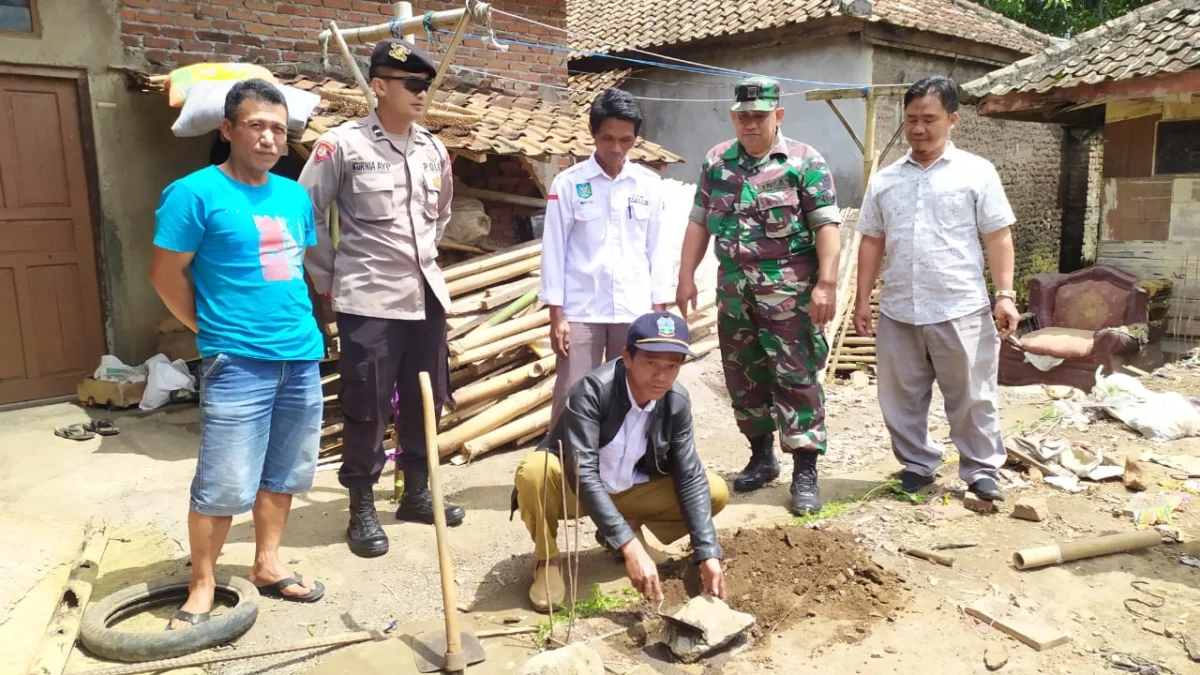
[{"x": 690, "y": 129}]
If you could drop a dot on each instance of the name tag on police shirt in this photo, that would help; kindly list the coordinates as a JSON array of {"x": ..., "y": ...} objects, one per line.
[{"x": 370, "y": 166}]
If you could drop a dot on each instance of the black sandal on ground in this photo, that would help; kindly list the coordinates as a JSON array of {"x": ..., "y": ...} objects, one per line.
[
  {"x": 192, "y": 618},
  {"x": 102, "y": 427},
  {"x": 275, "y": 590}
]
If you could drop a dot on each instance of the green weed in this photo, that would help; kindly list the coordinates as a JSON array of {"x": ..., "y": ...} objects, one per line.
[
  {"x": 837, "y": 507},
  {"x": 586, "y": 608}
]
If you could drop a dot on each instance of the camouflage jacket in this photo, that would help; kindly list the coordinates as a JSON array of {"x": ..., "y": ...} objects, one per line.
[{"x": 765, "y": 213}]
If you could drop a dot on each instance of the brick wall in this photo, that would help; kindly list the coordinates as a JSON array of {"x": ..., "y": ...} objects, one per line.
[
  {"x": 282, "y": 34},
  {"x": 500, "y": 174},
  {"x": 1027, "y": 155}
]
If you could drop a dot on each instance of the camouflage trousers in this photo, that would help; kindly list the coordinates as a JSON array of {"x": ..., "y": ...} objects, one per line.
[{"x": 771, "y": 354}]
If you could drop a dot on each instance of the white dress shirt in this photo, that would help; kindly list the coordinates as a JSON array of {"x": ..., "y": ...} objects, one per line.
[
  {"x": 931, "y": 220},
  {"x": 602, "y": 261},
  {"x": 626, "y": 449}
]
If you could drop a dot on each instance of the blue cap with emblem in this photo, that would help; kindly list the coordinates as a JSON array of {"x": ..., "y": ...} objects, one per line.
[{"x": 659, "y": 332}]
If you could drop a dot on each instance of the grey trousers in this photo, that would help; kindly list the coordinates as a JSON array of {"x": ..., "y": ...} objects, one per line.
[
  {"x": 591, "y": 346},
  {"x": 962, "y": 355}
]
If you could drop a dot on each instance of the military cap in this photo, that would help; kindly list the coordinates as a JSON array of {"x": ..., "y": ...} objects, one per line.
[
  {"x": 756, "y": 93},
  {"x": 401, "y": 55}
]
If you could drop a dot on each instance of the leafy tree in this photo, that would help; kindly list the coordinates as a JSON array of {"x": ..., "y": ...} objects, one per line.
[{"x": 1063, "y": 18}]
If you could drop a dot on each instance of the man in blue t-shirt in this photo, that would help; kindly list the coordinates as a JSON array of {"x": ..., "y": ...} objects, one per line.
[{"x": 241, "y": 233}]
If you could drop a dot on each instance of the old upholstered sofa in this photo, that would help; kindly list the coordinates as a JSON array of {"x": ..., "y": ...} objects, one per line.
[{"x": 1096, "y": 318}]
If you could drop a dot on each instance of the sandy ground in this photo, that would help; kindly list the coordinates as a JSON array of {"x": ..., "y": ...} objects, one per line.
[{"x": 138, "y": 481}]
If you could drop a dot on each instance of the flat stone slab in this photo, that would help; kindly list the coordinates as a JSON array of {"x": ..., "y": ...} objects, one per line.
[{"x": 704, "y": 625}]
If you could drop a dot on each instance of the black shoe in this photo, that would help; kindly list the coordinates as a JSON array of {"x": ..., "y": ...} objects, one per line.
[
  {"x": 763, "y": 467},
  {"x": 806, "y": 495},
  {"x": 365, "y": 534},
  {"x": 911, "y": 481},
  {"x": 987, "y": 489},
  {"x": 416, "y": 505}
]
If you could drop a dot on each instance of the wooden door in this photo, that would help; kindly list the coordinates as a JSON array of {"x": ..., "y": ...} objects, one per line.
[{"x": 51, "y": 331}]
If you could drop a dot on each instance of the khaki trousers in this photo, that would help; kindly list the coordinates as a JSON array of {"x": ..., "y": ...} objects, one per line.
[{"x": 653, "y": 503}]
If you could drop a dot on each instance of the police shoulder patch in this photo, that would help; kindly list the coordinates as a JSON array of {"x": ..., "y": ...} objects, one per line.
[{"x": 323, "y": 151}]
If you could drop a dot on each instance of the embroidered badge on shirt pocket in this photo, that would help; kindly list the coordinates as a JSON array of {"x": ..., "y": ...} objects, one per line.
[
  {"x": 373, "y": 194},
  {"x": 777, "y": 211}
]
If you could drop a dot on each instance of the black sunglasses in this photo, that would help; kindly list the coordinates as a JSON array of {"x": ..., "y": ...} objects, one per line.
[{"x": 414, "y": 84}]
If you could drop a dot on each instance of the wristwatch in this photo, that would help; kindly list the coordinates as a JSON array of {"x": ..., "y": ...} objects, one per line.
[{"x": 1011, "y": 295}]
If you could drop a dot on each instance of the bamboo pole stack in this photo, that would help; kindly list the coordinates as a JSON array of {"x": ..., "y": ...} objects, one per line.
[
  {"x": 502, "y": 370},
  {"x": 851, "y": 351}
]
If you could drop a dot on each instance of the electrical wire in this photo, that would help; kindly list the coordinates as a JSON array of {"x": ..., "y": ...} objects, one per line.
[
  {"x": 491, "y": 73},
  {"x": 709, "y": 69}
]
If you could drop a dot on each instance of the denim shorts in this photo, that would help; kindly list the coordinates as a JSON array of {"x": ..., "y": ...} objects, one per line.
[{"x": 260, "y": 429}]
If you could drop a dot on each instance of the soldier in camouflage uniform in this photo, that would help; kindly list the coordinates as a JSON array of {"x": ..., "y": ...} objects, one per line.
[{"x": 768, "y": 199}]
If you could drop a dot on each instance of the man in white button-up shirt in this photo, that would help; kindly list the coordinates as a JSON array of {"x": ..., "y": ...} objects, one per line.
[
  {"x": 602, "y": 265},
  {"x": 922, "y": 219}
]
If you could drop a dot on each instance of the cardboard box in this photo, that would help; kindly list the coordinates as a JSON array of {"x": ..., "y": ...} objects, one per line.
[{"x": 109, "y": 394}]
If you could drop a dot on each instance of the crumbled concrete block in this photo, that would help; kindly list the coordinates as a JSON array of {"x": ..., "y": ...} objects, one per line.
[
  {"x": 1031, "y": 508},
  {"x": 978, "y": 504}
]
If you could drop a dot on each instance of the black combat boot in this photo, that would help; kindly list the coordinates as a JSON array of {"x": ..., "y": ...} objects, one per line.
[
  {"x": 366, "y": 536},
  {"x": 763, "y": 467},
  {"x": 416, "y": 505},
  {"x": 806, "y": 496}
]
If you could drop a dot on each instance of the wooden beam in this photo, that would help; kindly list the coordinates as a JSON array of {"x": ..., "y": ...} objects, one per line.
[
  {"x": 477, "y": 157},
  {"x": 63, "y": 630},
  {"x": 535, "y": 173},
  {"x": 1156, "y": 87},
  {"x": 857, "y": 92},
  {"x": 448, "y": 55},
  {"x": 845, "y": 123},
  {"x": 502, "y": 197}
]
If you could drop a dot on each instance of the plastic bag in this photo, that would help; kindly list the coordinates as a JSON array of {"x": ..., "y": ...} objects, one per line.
[
  {"x": 165, "y": 377},
  {"x": 183, "y": 79},
  {"x": 205, "y": 108},
  {"x": 112, "y": 369},
  {"x": 1159, "y": 416}
]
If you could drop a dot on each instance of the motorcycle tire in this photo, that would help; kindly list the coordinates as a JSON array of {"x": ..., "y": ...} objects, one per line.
[{"x": 99, "y": 638}]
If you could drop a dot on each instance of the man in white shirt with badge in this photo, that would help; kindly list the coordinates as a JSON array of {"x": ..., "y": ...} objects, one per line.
[
  {"x": 927, "y": 213},
  {"x": 602, "y": 262}
]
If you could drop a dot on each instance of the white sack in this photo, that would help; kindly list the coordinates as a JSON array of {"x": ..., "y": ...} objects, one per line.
[
  {"x": 1159, "y": 416},
  {"x": 204, "y": 108},
  {"x": 165, "y": 377}
]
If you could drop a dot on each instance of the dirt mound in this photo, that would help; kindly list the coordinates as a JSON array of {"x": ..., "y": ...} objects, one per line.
[{"x": 784, "y": 574}]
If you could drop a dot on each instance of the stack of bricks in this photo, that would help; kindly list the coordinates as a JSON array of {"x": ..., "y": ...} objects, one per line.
[{"x": 282, "y": 34}]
